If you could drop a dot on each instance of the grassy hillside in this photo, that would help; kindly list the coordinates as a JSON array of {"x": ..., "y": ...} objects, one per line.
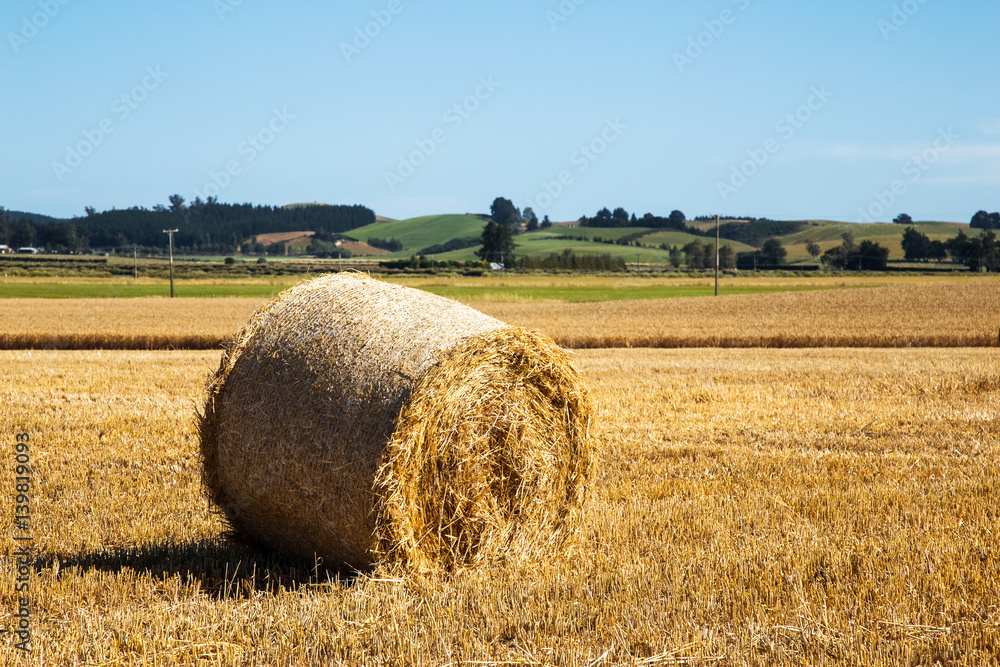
[
  {"x": 592, "y": 232},
  {"x": 538, "y": 244},
  {"x": 828, "y": 234},
  {"x": 418, "y": 233}
]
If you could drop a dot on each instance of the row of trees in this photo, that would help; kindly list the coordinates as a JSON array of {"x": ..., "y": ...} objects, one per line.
[
  {"x": 503, "y": 212},
  {"x": 205, "y": 226},
  {"x": 980, "y": 220},
  {"x": 864, "y": 256},
  {"x": 977, "y": 252},
  {"x": 621, "y": 218},
  {"x": 392, "y": 245},
  {"x": 984, "y": 220}
]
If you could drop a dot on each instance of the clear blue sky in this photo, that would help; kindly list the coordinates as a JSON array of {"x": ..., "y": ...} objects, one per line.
[{"x": 781, "y": 109}]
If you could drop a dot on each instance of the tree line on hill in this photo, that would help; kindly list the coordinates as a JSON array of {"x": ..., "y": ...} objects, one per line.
[
  {"x": 979, "y": 253},
  {"x": 621, "y": 218},
  {"x": 204, "y": 226}
]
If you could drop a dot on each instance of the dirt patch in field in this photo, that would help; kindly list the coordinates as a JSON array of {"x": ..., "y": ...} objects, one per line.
[{"x": 361, "y": 248}]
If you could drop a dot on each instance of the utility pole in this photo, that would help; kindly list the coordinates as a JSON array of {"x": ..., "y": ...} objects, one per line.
[
  {"x": 170, "y": 233},
  {"x": 135, "y": 263},
  {"x": 716, "y": 254}
]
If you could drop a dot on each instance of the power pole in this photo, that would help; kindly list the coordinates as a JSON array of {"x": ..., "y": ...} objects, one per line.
[
  {"x": 135, "y": 263},
  {"x": 170, "y": 234},
  {"x": 716, "y": 255}
]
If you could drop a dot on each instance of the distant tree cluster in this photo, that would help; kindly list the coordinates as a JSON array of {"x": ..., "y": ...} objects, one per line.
[
  {"x": 698, "y": 255},
  {"x": 621, "y": 218},
  {"x": 420, "y": 262},
  {"x": 503, "y": 212},
  {"x": 770, "y": 254},
  {"x": 917, "y": 246},
  {"x": 497, "y": 239},
  {"x": 984, "y": 220},
  {"x": 204, "y": 226},
  {"x": 17, "y": 232},
  {"x": 864, "y": 256},
  {"x": 392, "y": 245},
  {"x": 979, "y": 253},
  {"x": 570, "y": 261}
]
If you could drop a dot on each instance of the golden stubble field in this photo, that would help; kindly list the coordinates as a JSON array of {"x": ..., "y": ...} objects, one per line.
[
  {"x": 944, "y": 313},
  {"x": 749, "y": 507}
]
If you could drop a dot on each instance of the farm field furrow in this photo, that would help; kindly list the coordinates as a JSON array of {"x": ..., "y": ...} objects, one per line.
[
  {"x": 942, "y": 314},
  {"x": 748, "y": 507}
]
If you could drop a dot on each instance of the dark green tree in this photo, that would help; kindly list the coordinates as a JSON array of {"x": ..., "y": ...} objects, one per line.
[
  {"x": 727, "y": 258},
  {"x": 676, "y": 257},
  {"x": 903, "y": 219},
  {"x": 848, "y": 244},
  {"x": 957, "y": 247},
  {"x": 497, "y": 244},
  {"x": 773, "y": 252},
  {"x": 694, "y": 254},
  {"x": 872, "y": 256},
  {"x": 984, "y": 220},
  {"x": 546, "y": 223},
  {"x": 916, "y": 245},
  {"x": 504, "y": 212},
  {"x": 531, "y": 220},
  {"x": 981, "y": 253},
  {"x": 866, "y": 256},
  {"x": 176, "y": 203},
  {"x": 813, "y": 249},
  {"x": 22, "y": 233},
  {"x": 677, "y": 219}
]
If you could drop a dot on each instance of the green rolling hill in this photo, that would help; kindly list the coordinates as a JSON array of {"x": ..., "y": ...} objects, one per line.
[{"x": 419, "y": 233}]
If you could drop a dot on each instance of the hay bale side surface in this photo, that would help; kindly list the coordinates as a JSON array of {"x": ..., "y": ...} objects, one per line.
[{"x": 365, "y": 422}]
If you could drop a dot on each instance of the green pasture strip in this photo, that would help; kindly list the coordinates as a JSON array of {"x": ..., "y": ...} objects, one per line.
[
  {"x": 575, "y": 293},
  {"x": 119, "y": 291}
]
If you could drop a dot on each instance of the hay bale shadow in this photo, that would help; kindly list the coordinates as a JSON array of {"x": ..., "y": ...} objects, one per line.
[{"x": 221, "y": 568}]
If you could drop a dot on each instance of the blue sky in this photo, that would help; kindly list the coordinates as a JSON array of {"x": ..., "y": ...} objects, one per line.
[{"x": 851, "y": 110}]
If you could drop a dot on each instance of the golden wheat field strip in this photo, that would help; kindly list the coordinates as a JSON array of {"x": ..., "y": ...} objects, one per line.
[
  {"x": 748, "y": 507},
  {"x": 932, "y": 315},
  {"x": 945, "y": 314},
  {"x": 142, "y": 323}
]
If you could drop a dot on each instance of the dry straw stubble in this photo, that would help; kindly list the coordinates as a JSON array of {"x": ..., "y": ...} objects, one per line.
[{"x": 365, "y": 423}]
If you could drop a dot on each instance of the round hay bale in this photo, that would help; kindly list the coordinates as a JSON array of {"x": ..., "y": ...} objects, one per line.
[{"x": 365, "y": 423}]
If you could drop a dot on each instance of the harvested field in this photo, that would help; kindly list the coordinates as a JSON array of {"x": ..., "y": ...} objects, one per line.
[
  {"x": 122, "y": 324},
  {"x": 291, "y": 238},
  {"x": 750, "y": 507},
  {"x": 933, "y": 315},
  {"x": 945, "y": 314}
]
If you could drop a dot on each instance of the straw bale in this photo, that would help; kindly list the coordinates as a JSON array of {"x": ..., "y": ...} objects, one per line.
[{"x": 365, "y": 423}]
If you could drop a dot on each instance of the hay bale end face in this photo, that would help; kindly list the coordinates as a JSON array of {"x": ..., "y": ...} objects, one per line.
[{"x": 366, "y": 423}]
